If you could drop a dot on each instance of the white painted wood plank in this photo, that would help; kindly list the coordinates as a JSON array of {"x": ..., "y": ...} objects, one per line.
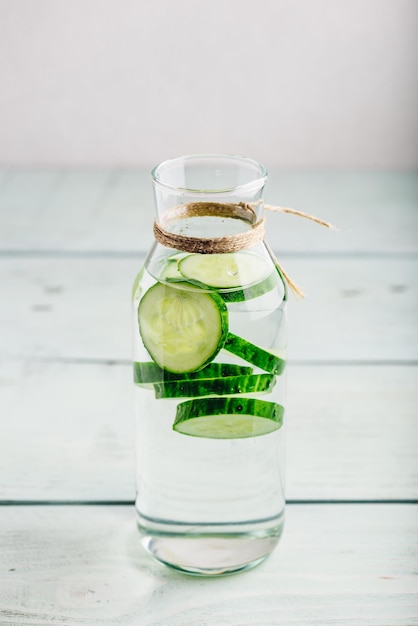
[
  {"x": 76, "y": 210},
  {"x": 352, "y": 432},
  {"x": 5, "y": 175},
  {"x": 72, "y": 212},
  {"x": 339, "y": 565},
  {"x": 355, "y": 309},
  {"x": 58, "y": 307},
  {"x": 23, "y": 195},
  {"x": 113, "y": 210},
  {"x": 96, "y": 210},
  {"x": 375, "y": 211},
  {"x": 67, "y": 432}
]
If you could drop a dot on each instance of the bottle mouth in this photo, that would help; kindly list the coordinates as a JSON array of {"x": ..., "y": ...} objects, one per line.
[{"x": 210, "y": 174}]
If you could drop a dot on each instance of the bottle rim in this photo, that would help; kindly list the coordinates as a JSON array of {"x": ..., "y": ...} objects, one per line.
[{"x": 255, "y": 183}]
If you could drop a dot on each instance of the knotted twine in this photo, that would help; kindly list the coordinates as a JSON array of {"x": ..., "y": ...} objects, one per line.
[{"x": 229, "y": 243}]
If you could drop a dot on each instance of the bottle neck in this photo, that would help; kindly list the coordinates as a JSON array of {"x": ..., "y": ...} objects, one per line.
[
  {"x": 212, "y": 178},
  {"x": 210, "y": 227}
]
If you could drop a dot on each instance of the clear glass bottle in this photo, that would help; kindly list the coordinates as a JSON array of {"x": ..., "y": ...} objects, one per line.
[{"x": 209, "y": 355}]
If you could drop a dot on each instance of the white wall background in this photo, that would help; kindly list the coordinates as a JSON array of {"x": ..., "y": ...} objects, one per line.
[{"x": 294, "y": 83}]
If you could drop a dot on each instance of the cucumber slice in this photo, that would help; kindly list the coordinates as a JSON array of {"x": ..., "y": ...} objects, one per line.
[
  {"x": 231, "y": 295},
  {"x": 170, "y": 271},
  {"x": 182, "y": 329},
  {"x": 228, "y": 418},
  {"x": 223, "y": 271},
  {"x": 263, "y": 359},
  {"x": 254, "y": 291},
  {"x": 146, "y": 373},
  {"x": 261, "y": 383}
]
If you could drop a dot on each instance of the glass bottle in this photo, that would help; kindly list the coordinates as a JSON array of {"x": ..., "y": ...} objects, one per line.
[{"x": 209, "y": 357}]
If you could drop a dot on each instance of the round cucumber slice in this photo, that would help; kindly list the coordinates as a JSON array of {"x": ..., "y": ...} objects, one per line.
[
  {"x": 248, "y": 351},
  {"x": 223, "y": 271},
  {"x": 182, "y": 329},
  {"x": 261, "y": 383},
  {"x": 228, "y": 418},
  {"x": 146, "y": 373}
]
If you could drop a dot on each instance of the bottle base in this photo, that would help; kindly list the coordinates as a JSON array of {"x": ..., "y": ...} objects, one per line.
[{"x": 211, "y": 551}]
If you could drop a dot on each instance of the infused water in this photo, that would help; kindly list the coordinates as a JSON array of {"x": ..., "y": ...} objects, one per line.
[{"x": 210, "y": 436}]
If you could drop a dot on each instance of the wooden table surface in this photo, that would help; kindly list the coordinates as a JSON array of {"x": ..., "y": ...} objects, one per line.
[{"x": 71, "y": 242}]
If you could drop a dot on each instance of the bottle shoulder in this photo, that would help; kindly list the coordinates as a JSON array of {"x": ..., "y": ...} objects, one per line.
[{"x": 237, "y": 276}]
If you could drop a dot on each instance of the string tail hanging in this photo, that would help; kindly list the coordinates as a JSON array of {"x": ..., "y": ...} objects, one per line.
[
  {"x": 292, "y": 285},
  {"x": 297, "y": 291},
  {"x": 307, "y": 216}
]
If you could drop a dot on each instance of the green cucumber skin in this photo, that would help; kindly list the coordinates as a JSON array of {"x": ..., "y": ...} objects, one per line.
[
  {"x": 229, "y": 406},
  {"x": 254, "y": 291},
  {"x": 230, "y": 385},
  {"x": 148, "y": 372},
  {"x": 251, "y": 353},
  {"x": 233, "y": 295}
]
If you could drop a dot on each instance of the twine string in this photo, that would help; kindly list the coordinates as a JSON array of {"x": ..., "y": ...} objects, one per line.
[
  {"x": 229, "y": 243},
  {"x": 308, "y": 216}
]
